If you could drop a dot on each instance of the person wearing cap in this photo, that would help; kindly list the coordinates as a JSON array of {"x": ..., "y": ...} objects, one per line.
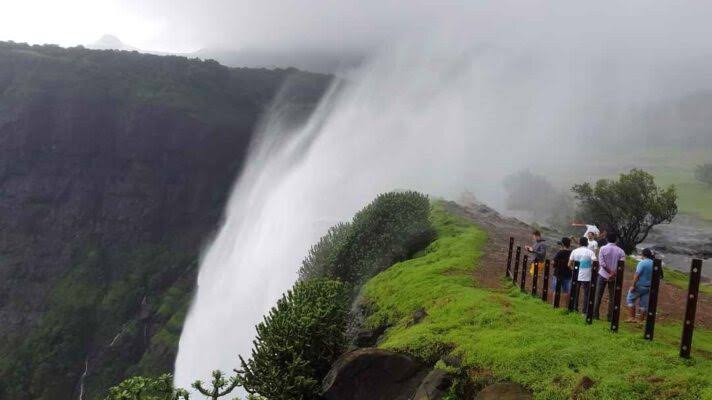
[
  {"x": 585, "y": 256},
  {"x": 640, "y": 290},
  {"x": 562, "y": 272},
  {"x": 608, "y": 257}
]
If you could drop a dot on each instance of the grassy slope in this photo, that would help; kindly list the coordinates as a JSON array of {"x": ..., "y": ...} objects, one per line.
[{"x": 520, "y": 338}]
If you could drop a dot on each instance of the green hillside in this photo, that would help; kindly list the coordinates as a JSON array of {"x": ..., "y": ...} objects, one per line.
[{"x": 519, "y": 338}]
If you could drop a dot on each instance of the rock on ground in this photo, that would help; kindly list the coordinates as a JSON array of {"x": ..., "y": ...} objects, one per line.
[{"x": 373, "y": 374}]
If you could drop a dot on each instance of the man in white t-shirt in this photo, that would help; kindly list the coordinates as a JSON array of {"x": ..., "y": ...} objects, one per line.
[{"x": 585, "y": 257}]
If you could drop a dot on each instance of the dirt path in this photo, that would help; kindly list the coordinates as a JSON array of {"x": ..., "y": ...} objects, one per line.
[{"x": 672, "y": 300}]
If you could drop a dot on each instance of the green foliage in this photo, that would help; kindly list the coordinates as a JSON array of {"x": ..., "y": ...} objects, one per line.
[
  {"x": 145, "y": 388},
  {"x": 89, "y": 305},
  {"x": 518, "y": 337},
  {"x": 298, "y": 341},
  {"x": 320, "y": 259},
  {"x": 703, "y": 173},
  {"x": 220, "y": 386},
  {"x": 392, "y": 228},
  {"x": 630, "y": 206}
]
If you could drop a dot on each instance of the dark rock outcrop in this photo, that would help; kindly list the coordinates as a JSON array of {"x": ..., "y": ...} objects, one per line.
[
  {"x": 373, "y": 374},
  {"x": 435, "y": 385}
]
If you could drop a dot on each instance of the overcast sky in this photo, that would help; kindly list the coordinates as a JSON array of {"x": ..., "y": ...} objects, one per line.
[{"x": 187, "y": 25}]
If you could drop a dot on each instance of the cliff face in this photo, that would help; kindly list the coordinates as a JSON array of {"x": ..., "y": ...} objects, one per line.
[{"x": 114, "y": 168}]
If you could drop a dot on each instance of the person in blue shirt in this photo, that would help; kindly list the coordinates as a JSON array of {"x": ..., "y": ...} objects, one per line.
[{"x": 640, "y": 290}]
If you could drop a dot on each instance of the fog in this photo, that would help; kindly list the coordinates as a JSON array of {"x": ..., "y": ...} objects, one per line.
[{"x": 452, "y": 102}]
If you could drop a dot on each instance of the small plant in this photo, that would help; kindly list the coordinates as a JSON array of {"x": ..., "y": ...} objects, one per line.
[
  {"x": 703, "y": 173},
  {"x": 147, "y": 388},
  {"x": 220, "y": 386}
]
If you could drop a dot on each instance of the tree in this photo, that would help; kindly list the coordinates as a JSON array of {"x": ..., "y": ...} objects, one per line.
[
  {"x": 630, "y": 206},
  {"x": 298, "y": 341},
  {"x": 703, "y": 173},
  {"x": 147, "y": 388}
]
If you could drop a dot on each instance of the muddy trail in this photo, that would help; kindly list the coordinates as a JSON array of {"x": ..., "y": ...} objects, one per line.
[{"x": 490, "y": 273}]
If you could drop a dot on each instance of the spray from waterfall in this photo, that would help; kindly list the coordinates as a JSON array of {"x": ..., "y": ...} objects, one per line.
[{"x": 440, "y": 113}]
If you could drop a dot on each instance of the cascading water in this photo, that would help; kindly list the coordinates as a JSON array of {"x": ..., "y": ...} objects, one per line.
[{"x": 440, "y": 114}]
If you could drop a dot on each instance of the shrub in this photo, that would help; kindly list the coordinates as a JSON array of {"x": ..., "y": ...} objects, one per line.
[
  {"x": 321, "y": 255},
  {"x": 298, "y": 341},
  {"x": 146, "y": 388},
  {"x": 703, "y": 173},
  {"x": 390, "y": 229}
]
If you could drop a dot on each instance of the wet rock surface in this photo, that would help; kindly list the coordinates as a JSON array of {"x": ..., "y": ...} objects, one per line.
[
  {"x": 435, "y": 386},
  {"x": 687, "y": 237},
  {"x": 374, "y": 374}
]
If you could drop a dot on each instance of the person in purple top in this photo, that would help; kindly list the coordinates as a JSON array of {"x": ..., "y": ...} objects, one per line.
[{"x": 608, "y": 257}]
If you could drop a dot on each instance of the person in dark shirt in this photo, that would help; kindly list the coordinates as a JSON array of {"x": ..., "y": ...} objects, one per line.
[
  {"x": 562, "y": 272},
  {"x": 538, "y": 248}
]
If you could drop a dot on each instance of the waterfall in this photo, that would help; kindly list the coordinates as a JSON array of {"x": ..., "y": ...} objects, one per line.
[
  {"x": 438, "y": 113},
  {"x": 83, "y": 378}
]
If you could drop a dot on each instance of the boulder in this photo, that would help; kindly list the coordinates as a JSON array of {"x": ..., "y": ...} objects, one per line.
[
  {"x": 504, "y": 391},
  {"x": 418, "y": 316},
  {"x": 368, "y": 337},
  {"x": 373, "y": 374},
  {"x": 434, "y": 386}
]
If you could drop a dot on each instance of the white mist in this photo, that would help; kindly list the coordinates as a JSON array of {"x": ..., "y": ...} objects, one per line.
[{"x": 438, "y": 113}]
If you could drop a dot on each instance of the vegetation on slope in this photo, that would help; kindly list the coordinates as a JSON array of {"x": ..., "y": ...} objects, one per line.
[
  {"x": 298, "y": 341},
  {"x": 518, "y": 337},
  {"x": 114, "y": 169},
  {"x": 306, "y": 331}
]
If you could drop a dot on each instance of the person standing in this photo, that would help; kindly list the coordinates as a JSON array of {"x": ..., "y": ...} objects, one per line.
[
  {"x": 585, "y": 256},
  {"x": 608, "y": 258},
  {"x": 562, "y": 272},
  {"x": 592, "y": 243},
  {"x": 640, "y": 290},
  {"x": 538, "y": 248}
]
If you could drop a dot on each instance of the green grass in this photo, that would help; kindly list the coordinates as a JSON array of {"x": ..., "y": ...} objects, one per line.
[
  {"x": 694, "y": 197},
  {"x": 520, "y": 338}
]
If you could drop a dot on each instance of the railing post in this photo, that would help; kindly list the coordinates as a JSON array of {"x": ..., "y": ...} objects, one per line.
[
  {"x": 573, "y": 296},
  {"x": 525, "y": 261},
  {"x": 592, "y": 293},
  {"x": 535, "y": 278},
  {"x": 516, "y": 264},
  {"x": 617, "y": 292},
  {"x": 653, "y": 300},
  {"x": 545, "y": 282},
  {"x": 557, "y": 289},
  {"x": 509, "y": 258},
  {"x": 692, "y": 294}
]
